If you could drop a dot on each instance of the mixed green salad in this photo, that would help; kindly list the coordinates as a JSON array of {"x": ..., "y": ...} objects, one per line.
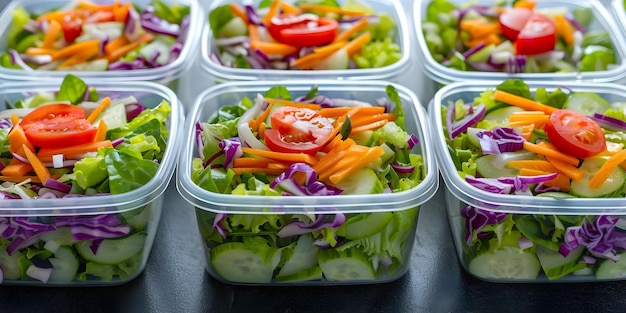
[
  {"x": 557, "y": 143},
  {"x": 86, "y": 36},
  {"x": 310, "y": 146},
  {"x": 303, "y": 35},
  {"x": 68, "y": 144},
  {"x": 517, "y": 38}
]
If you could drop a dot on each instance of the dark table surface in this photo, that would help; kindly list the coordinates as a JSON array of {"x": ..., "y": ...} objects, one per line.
[{"x": 175, "y": 280}]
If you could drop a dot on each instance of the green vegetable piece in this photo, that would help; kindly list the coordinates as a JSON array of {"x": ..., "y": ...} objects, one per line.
[
  {"x": 346, "y": 128},
  {"x": 173, "y": 14},
  {"x": 64, "y": 265},
  {"x": 517, "y": 87},
  {"x": 127, "y": 173},
  {"x": 586, "y": 103},
  {"x": 72, "y": 89},
  {"x": 611, "y": 270},
  {"x": 555, "y": 265},
  {"x": 351, "y": 264},
  {"x": 398, "y": 109},
  {"x": 113, "y": 251},
  {"x": 20, "y": 18},
  {"x": 251, "y": 261},
  {"x": 90, "y": 172},
  {"x": 597, "y": 58},
  {"x": 364, "y": 225},
  {"x": 278, "y": 92},
  {"x": 583, "y": 15},
  {"x": 505, "y": 263}
]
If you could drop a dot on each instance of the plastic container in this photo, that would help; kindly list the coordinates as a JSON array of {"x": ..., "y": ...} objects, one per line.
[
  {"x": 223, "y": 73},
  {"x": 210, "y": 207},
  {"x": 51, "y": 223},
  {"x": 619, "y": 13},
  {"x": 507, "y": 263},
  {"x": 602, "y": 20},
  {"x": 167, "y": 74}
]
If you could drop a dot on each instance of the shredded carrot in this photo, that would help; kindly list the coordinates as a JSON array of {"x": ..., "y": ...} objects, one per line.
[
  {"x": 348, "y": 33},
  {"x": 371, "y": 155},
  {"x": 16, "y": 168},
  {"x": 262, "y": 128},
  {"x": 526, "y": 104},
  {"x": 268, "y": 171},
  {"x": 332, "y": 143},
  {"x": 311, "y": 106},
  {"x": 273, "y": 48},
  {"x": 277, "y": 166},
  {"x": 96, "y": 7},
  {"x": 369, "y": 119},
  {"x": 239, "y": 12},
  {"x": 480, "y": 28},
  {"x": 253, "y": 33},
  {"x": 348, "y": 159},
  {"x": 289, "y": 8},
  {"x": 40, "y": 169},
  {"x": 39, "y": 51},
  {"x": 605, "y": 170},
  {"x": 357, "y": 43},
  {"x": 561, "y": 181},
  {"x": 267, "y": 20},
  {"x": 567, "y": 169},
  {"x": 14, "y": 119},
  {"x": 282, "y": 157},
  {"x": 99, "y": 109},
  {"x": 17, "y": 138},
  {"x": 115, "y": 44},
  {"x": 21, "y": 178},
  {"x": 255, "y": 123},
  {"x": 54, "y": 30},
  {"x": 525, "y": 4},
  {"x": 329, "y": 9},
  {"x": 334, "y": 155},
  {"x": 564, "y": 29},
  {"x": 543, "y": 150},
  {"x": 101, "y": 132},
  {"x": 370, "y": 126},
  {"x": 538, "y": 118},
  {"x": 75, "y": 49},
  {"x": 120, "y": 13},
  {"x": 250, "y": 162},
  {"x": 318, "y": 55},
  {"x": 123, "y": 50},
  {"x": 74, "y": 150},
  {"x": 539, "y": 165},
  {"x": 80, "y": 57}
]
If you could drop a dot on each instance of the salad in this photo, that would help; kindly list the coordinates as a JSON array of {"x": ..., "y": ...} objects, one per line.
[
  {"x": 522, "y": 38},
  {"x": 557, "y": 143},
  {"x": 310, "y": 146},
  {"x": 70, "y": 144},
  {"x": 305, "y": 35},
  {"x": 85, "y": 36}
]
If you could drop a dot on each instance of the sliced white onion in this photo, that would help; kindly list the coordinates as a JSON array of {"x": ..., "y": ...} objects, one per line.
[
  {"x": 245, "y": 134},
  {"x": 57, "y": 160}
]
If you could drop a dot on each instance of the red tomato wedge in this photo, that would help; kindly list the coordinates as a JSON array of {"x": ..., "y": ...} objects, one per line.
[
  {"x": 513, "y": 21},
  {"x": 532, "y": 32},
  {"x": 296, "y": 130},
  {"x": 575, "y": 134},
  {"x": 57, "y": 125},
  {"x": 303, "y": 30}
]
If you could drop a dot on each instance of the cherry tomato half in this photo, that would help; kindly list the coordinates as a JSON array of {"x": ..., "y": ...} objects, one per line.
[
  {"x": 575, "y": 134},
  {"x": 513, "y": 21},
  {"x": 57, "y": 125},
  {"x": 532, "y": 32},
  {"x": 297, "y": 130},
  {"x": 72, "y": 28},
  {"x": 303, "y": 30}
]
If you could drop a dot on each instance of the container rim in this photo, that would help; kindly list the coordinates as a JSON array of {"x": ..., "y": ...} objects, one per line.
[
  {"x": 513, "y": 203},
  {"x": 445, "y": 75},
  {"x": 163, "y": 74},
  {"x": 107, "y": 203},
  {"x": 224, "y": 73},
  {"x": 225, "y": 203}
]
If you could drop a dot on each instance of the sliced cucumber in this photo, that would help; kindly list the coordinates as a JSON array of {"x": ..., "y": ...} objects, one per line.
[
  {"x": 350, "y": 264},
  {"x": 61, "y": 235},
  {"x": 304, "y": 257},
  {"x": 367, "y": 224},
  {"x": 364, "y": 138},
  {"x": 363, "y": 182},
  {"x": 556, "y": 195},
  {"x": 611, "y": 270},
  {"x": 64, "y": 265},
  {"x": 114, "y": 116},
  {"x": 612, "y": 186},
  {"x": 268, "y": 119},
  {"x": 10, "y": 264},
  {"x": 555, "y": 265},
  {"x": 113, "y": 251},
  {"x": 313, "y": 273},
  {"x": 506, "y": 263},
  {"x": 586, "y": 103},
  {"x": 236, "y": 262},
  {"x": 486, "y": 168},
  {"x": 501, "y": 116},
  {"x": 472, "y": 136}
]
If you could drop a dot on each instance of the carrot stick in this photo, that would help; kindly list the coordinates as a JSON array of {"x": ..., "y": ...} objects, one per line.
[
  {"x": 348, "y": 33},
  {"x": 561, "y": 181},
  {"x": 101, "y": 107},
  {"x": 20, "y": 178},
  {"x": 51, "y": 36},
  {"x": 526, "y": 104},
  {"x": 373, "y": 154},
  {"x": 525, "y": 4},
  {"x": 115, "y": 44},
  {"x": 539, "y": 118},
  {"x": 40, "y": 169},
  {"x": 250, "y": 162},
  {"x": 17, "y": 138},
  {"x": 81, "y": 57},
  {"x": 96, "y": 7},
  {"x": 550, "y": 152},
  {"x": 267, "y": 20},
  {"x": 16, "y": 168},
  {"x": 39, "y": 51},
  {"x": 101, "y": 132},
  {"x": 253, "y": 33},
  {"x": 75, "y": 49},
  {"x": 123, "y": 50},
  {"x": 273, "y": 48},
  {"x": 564, "y": 29},
  {"x": 268, "y": 171},
  {"x": 277, "y": 166},
  {"x": 74, "y": 150},
  {"x": 364, "y": 120},
  {"x": 567, "y": 169},
  {"x": 293, "y": 104},
  {"x": 282, "y": 157},
  {"x": 334, "y": 155},
  {"x": 14, "y": 119},
  {"x": 120, "y": 13},
  {"x": 239, "y": 12},
  {"x": 605, "y": 170},
  {"x": 539, "y": 165},
  {"x": 256, "y": 122},
  {"x": 357, "y": 43},
  {"x": 370, "y": 126},
  {"x": 479, "y": 28},
  {"x": 329, "y": 9}
]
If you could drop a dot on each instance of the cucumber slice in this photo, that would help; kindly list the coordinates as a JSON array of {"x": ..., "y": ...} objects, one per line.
[
  {"x": 113, "y": 251},
  {"x": 313, "y": 273},
  {"x": 486, "y": 168},
  {"x": 612, "y": 270},
  {"x": 363, "y": 182},
  {"x": 304, "y": 257},
  {"x": 268, "y": 119},
  {"x": 472, "y": 137},
  {"x": 612, "y": 186},
  {"x": 237, "y": 262},
  {"x": 114, "y": 116},
  {"x": 506, "y": 263},
  {"x": 364, "y": 138},
  {"x": 64, "y": 265},
  {"x": 501, "y": 116},
  {"x": 556, "y": 195},
  {"x": 555, "y": 265},
  {"x": 350, "y": 264},
  {"x": 10, "y": 264},
  {"x": 586, "y": 103},
  {"x": 365, "y": 225}
]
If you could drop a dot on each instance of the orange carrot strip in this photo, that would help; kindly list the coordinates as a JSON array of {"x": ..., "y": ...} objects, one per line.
[
  {"x": 526, "y": 104},
  {"x": 101, "y": 132},
  {"x": 80, "y": 57},
  {"x": 370, "y": 126},
  {"x": 329, "y": 9},
  {"x": 282, "y": 157},
  {"x": 479, "y": 28},
  {"x": 605, "y": 170},
  {"x": 277, "y": 166},
  {"x": 39, "y": 51},
  {"x": 267, "y": 20},
  {"x": 273, "y": 48},
  {"x": 239, "y": 12},
  {"x": 123, "y": 50},
  {"x": 525, "y": 4},
  {"x": 14, "y": 119},
  {"x": 20, "y": 178},
  {"x": 564, "y": 29},
  {"x": 96, "y": 7},
  {"x": 566, "y": 169},
  {"x": 256, "y": 122},
  {"x": 268, "y": 171},
  {"x": 115, "y": 44},
  {"x": 253, "y": 33},
  {"x": 373, "y": 154},
  {"x": 561, "y": 181},
  {"x": 75, "y": 49},
  {"x": 51, "y": 36},
  {"x": 539, "y": 165},
  {"x": 120, "y": 13},
  {"x": 348, "y": 33},
  {"x": 538, "y": 118},
  {"x": 16, "y": 168},
  {"x": 551, "y": 153},
  {"x": 40, "y": 169},
  {"x": 74, "y": 150},
  {"x": 364, "y": 120},
  {"x": 333, "y": 156},
  {"x": 348, "y": 158},
  {"x": 334, "y": 112},
  {"x": 293, "y": 104},
  {"x": 17, "y": 138},
  {"x": 250, "y": 162},
  {"x": 331, "y": 48},
  {"x": 357, "y": 43},
  {"x": 101, "y": 107},
  {"x": 332, "y": 143}
]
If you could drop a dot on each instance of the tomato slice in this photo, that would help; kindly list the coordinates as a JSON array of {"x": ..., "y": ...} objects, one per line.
[
  {"x": 303, "y": 30},
  {"x": 297, "y": 130},
  {"x": 538, "y": 36},
  {"x": 575, "y": 134},
  {"x": 513, "y": 21},
  {"x": 57, "y": 125},
  {"x": 72, "y": 29}
]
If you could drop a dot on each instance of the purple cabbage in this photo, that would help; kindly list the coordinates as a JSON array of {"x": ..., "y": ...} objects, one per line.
[
  {"x": 412, "y": 141},
  {"x": 321, "y": 221},
  {"x": 324, "y": 101},
  {"x": 474, "y": 114},
  {"x": 506, "y": 185},
  {"x": 311, "y": 186},
  {"x": 501, "y": 139},
  {"x": 232, "y": 150},
  {"x": 598, "y": 236},
  {"x": 93, "y": 227},
  {"x": 476, "y": 219}
]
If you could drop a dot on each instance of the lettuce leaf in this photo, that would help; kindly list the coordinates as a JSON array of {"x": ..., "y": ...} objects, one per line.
[{"x": 127, "y": 173}]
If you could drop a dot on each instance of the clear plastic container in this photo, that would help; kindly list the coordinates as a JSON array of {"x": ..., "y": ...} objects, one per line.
[
  {"x": 167, "y": 74},
  {"x": 223, "y": 73},
  {"x": 619, "y": 12},
  {"x": 508, "y": 263},
  {"x": 116, "y": 260},
  {"x": 210, "y": 207},
  {"x": 602, "y": 20}
]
